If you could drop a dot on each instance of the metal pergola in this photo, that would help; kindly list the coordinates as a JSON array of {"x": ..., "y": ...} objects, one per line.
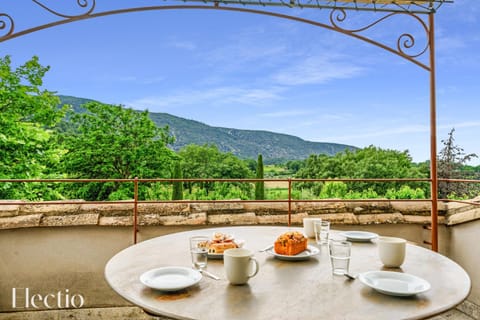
[{"x": 420, "y": 12}]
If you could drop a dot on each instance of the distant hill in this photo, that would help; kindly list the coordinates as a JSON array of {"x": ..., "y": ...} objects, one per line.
[{"x": 246, "y": 144}]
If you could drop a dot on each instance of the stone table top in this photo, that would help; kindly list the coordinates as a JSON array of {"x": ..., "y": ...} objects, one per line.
[{"x": 284, "y": 289}]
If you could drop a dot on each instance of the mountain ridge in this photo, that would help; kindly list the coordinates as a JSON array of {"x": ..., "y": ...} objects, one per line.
[{"x": 246, "y": 144}]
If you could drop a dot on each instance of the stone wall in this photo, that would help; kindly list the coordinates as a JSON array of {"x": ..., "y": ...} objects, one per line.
[{"x": 20, "y": 214}]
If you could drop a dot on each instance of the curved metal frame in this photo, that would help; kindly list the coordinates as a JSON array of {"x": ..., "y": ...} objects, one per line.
[{"x": 338, "y": 14}]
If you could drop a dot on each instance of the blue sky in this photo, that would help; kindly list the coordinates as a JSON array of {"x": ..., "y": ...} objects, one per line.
[{"x": 250, "y": 71}]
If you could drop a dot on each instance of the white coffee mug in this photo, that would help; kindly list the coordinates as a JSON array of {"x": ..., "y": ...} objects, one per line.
[
  {"x": 240, "y": 265},
  {"x": 391, "y": 251},
  {"x": 308, "y": 226}
]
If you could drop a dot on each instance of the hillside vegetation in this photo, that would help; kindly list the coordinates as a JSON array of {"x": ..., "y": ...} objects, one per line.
[
  {"x": 39, "y": 140},
  {"x": 245, "y": 144}
]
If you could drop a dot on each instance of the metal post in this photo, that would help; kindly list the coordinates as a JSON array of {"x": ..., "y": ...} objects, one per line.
[
  {"x": 433, "y": 137},
  {"x": 135, "y": 209},
  {"x": 289, "y": 202}
]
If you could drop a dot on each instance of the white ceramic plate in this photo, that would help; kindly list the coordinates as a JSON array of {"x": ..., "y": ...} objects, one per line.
[
  {"x": 215, "y": 256},
  {"x": 170, "y": 278},
  {"x": 359, "y": 236},
  {"x": 394, "y": 283},
  {"x": 304, "y": 255}
]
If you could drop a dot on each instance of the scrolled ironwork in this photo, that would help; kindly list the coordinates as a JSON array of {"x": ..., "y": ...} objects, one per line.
[
  {"x": 405, "y": 41},
  {"x": 8, "y": 29},
  {"x": 88, "y": 4},
  {"x": 412, "y": 6},
  {"x": 7, "y": 26}
]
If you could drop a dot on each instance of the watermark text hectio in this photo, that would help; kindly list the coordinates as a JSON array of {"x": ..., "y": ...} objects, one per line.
[{"x": 22, "y": 298}]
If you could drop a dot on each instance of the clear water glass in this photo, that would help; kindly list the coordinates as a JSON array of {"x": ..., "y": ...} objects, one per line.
[
  {"x": 322, "y": 231},
  {"x": 199, "y": 251},
  {"x": 339, "y": 251}
]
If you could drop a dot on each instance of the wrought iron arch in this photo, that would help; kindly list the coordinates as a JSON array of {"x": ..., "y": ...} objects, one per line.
[{"x": 339, "y": 9}]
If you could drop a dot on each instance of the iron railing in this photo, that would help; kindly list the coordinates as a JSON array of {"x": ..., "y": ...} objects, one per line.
[{"x": 289, "y": 200}]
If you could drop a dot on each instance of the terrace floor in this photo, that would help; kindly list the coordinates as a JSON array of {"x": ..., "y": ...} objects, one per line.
[{"x": 137, "y": 314}]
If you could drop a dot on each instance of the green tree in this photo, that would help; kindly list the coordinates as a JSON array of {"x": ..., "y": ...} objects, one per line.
[
  {"x": 207, "y": 162},
  {"x": 366, "y": 163},
  {"x": 294, "y": 165},
  {"x": 450, "y": 162},
  {"x": 177, "y": 192},
  {"x": 111, "y": 141},
  {"x": 251, "y": 164},
  {"x": 334, "y": 189},
  {"x": 27, "y": 114},
  {"x": 259, "y": 185}
]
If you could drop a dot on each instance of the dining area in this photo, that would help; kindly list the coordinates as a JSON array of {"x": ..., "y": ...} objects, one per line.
[{"x": 252, "y": 280}]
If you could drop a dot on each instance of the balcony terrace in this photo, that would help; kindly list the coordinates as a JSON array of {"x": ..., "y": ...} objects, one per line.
[
  {"x": 53, "y": 246},
  {"x": 50, "y": 247}
]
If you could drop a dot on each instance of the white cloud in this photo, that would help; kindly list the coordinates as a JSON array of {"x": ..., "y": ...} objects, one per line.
[
  {"x": 446, "y": 90},
  {"x": 132, "y": 79},
  {"x": 316, "y": 70},
  {"x": 379, "y": 133},
  {"x": 186, "y": 45},
  {"x": 214, "y": 96},
  {"x": 286, "y": 114},
  {"x": 449, "y": 44},
  {"x": 152, "y": 80},
  {"x": 125, "y": 78},
  {"x": 465, "y": 124},
  {"x": 402, "y": 130},
  {"x": 246, "y": 55}
]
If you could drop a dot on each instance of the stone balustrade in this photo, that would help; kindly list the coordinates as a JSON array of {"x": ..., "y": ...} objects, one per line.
[{"x": 23, "y": 215}]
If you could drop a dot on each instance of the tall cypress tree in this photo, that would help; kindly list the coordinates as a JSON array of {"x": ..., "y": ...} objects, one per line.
[
  {"x": 260, "y": 185},
  {"x": 177, "y": 192}
]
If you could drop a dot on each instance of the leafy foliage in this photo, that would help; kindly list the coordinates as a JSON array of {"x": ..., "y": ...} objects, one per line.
[
  {"x": 367, "y": 163},
  {"x": 293, "y": 166},
  {"x": 27, "y": 114},
  {"x": 205, "y": 162},
  {"x": 112, "y": 142},
  {"x": 452, "y": 159}
]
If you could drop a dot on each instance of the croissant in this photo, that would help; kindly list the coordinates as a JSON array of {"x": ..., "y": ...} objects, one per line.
[{"x": 218, "y": 248}]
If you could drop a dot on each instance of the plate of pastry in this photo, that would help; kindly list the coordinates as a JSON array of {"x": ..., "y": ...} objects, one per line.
[
  {"x": 221, "y": 242},
  {"x": 292, "y": 246},
  {"x": 303, "y": 255}
]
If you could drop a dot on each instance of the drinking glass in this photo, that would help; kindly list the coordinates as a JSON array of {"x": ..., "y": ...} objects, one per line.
[
  {"x": 339, "y": 256},
  {"x": 322, "y": 230},
  {"x": 199, "y": 251}
]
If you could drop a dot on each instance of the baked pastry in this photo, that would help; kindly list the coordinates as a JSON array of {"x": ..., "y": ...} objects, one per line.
[
  {"x": 221, "y": 237},
  {"x": 219, "y": 248},
  {"x": 290, "y": 243},
  {"x": 221, "y": 242}
]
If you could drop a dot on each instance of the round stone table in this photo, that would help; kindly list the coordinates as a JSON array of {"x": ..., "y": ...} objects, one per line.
[{"x": 284, "y": 289}]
